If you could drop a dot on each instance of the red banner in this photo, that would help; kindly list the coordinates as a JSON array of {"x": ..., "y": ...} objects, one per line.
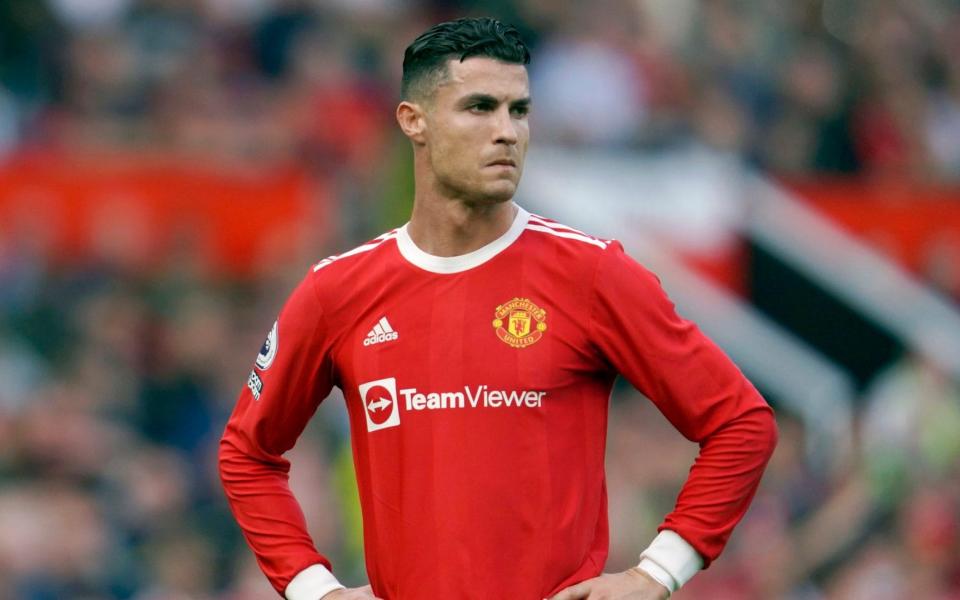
[
  {"x": 915, "y": 224},
  {"x": 148, "y": 212}
]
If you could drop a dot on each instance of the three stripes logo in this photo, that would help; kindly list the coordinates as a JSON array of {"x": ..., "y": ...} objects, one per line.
[{"x": 381, "y": 332}]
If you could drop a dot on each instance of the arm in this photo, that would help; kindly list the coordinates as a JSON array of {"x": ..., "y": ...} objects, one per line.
[
  {"x": 291, "y": 376},
  {"x": 703, "y": 394}
]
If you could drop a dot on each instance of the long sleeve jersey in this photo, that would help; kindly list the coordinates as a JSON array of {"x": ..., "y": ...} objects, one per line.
[{"x": 477, "y": 388}]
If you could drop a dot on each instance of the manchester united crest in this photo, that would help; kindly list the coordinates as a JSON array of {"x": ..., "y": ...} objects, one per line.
[{"x": 520, "y": 322}]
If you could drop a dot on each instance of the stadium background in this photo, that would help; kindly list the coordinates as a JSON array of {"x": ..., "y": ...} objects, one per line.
[{"x": 170, "y": 168}]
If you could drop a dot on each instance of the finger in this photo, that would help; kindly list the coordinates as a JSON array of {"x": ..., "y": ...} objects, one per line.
[{"x": 574, "y": 592}]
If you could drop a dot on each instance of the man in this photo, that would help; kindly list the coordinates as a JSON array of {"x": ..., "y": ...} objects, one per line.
[{"x": 476, "y": 348}]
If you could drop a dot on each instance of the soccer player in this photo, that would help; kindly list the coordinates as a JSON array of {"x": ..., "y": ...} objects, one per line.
[{"x": 476, "y": 348}]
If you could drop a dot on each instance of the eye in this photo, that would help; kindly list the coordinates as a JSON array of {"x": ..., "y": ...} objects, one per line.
[
  {"x": 520, "y": 111},
  {"x": 481, "y": 107}
]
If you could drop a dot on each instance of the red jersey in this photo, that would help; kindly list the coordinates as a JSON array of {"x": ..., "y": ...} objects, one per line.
[{"x": 477, "y": 388}]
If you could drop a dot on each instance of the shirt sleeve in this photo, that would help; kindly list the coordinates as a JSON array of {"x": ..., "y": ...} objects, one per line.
[
  {"x": 699, "y": 390},
  {"x": 291, "y": 376}
]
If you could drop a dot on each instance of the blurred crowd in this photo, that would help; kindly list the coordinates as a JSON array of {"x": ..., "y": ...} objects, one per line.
[
  {"x": 824, "y": 86},
  {"x": 115, "y": 384}
]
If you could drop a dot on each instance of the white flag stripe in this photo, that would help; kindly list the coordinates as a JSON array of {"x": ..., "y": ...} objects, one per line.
[
  {"x": 378, "y": 330},
  {"x": 386, "y": 325}
]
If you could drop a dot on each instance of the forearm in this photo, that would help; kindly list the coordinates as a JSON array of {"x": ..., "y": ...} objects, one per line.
[
  {"x": 271, "y": 519},
  {"x": 714, "y": 498},
  {"x": 723, "y": 481}
]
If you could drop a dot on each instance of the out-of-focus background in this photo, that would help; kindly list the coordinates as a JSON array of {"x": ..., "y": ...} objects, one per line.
[{"x": 169, "y": 169}]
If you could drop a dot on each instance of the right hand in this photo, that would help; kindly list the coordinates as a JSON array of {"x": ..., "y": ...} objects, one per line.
[{"x": 362, "y": 593}]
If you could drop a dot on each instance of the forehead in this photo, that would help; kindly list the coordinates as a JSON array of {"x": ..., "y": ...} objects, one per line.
[{"x": 483, "y": 75}]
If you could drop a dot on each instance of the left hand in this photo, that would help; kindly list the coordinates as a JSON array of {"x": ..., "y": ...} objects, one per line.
[{"x": 632, "y": 584}]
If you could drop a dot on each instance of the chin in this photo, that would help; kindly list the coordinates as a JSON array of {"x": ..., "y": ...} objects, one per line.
[
  {"x": 486, "y": 192},
  {"x": 502, "y": 191},
  {"x": 498, "y": 197}
]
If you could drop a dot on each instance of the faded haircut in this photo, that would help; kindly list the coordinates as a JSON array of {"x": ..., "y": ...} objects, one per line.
[{"x": 425, "y": 60}]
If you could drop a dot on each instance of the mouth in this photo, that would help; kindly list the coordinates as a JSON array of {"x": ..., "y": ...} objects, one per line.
[{"x": 504, "y": 162}]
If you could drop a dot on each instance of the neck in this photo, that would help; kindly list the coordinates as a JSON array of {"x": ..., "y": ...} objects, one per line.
[{"x": 450, "y": 227}]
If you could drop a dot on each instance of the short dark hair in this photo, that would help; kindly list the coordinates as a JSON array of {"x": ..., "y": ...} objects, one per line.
[{"x": 425, "y": 60}]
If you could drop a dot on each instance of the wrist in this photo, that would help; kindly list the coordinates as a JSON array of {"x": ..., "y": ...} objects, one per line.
[
  {"x": 316, "y": 581},
  {"x": 670, "y": 560},
  {"x": 654, "y": 572},
  {"x": 640, "y": 573}
]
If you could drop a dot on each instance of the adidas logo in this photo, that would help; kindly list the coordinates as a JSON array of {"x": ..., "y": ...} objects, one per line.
[{"x": 381, "y": 332}]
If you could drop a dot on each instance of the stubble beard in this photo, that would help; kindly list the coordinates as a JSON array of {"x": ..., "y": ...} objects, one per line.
[{"x": 472, "y": 195}]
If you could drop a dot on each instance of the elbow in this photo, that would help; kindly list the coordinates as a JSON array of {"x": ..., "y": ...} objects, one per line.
[
  {"x": 232, "y": 461},
  {"x": 771, "y": 433},
  {"x": 226, "y": 453},
  {"x": 757, "y": 431},
  {"x": 238, "y": 462}
]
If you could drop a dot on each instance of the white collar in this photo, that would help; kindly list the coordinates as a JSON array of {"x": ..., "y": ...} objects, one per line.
[{"x": 463, "y": 262}]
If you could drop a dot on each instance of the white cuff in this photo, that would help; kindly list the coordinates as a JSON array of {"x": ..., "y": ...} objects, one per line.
[
  {"x": 312, "y": 583},
  {"x": 658, "y": 573},
  {"x": 669, "y": 555}
]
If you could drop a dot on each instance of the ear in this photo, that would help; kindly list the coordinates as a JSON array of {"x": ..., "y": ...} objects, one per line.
[{"x": 412, "y": 121}]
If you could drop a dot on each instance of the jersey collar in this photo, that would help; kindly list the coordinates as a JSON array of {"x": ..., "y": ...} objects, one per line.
[{"x": 463, "y": 262}]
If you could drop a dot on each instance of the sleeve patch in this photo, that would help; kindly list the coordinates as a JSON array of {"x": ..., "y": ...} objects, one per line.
[
  {"x": 255, "y": 384},
  {"x": 269, "y": 350}
]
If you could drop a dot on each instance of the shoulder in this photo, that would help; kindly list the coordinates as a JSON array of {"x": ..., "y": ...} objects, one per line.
[
  {"x": 569, "y": 240},
  {"x": 341, "y": 278},
  {"x": 564, "y": 234},
  {"x": 606, "y": 258}
]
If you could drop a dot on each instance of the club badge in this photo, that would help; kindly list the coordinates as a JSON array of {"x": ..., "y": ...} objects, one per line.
[{"x": 519, "y": 322}]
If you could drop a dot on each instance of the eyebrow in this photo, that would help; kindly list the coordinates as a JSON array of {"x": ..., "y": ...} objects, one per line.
[{"x": 488, "y": 99}]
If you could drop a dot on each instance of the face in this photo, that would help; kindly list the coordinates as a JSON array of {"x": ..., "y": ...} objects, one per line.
[{"x": 476, "y": 131}]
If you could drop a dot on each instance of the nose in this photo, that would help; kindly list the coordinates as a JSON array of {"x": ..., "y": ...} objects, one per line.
[{"x": 506, "y": 129}]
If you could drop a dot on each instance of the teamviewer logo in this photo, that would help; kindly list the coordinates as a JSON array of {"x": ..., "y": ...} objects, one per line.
[{"x": 380, "y": 403}]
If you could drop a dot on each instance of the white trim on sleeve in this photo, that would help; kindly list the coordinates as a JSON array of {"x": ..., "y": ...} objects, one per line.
[
  {"x": 312, "y": 583},
  {"x": 659, "y": 574},
  {"x": 674, "y": 557}
]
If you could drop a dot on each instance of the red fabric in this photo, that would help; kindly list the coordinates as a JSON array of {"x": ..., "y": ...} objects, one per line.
[{"x": 489, "y": 502}]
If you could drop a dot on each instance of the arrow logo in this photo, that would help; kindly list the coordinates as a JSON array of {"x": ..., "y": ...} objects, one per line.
[
  {"x": 379, "y": 399},
  {"x": 380, "y": 404}
]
